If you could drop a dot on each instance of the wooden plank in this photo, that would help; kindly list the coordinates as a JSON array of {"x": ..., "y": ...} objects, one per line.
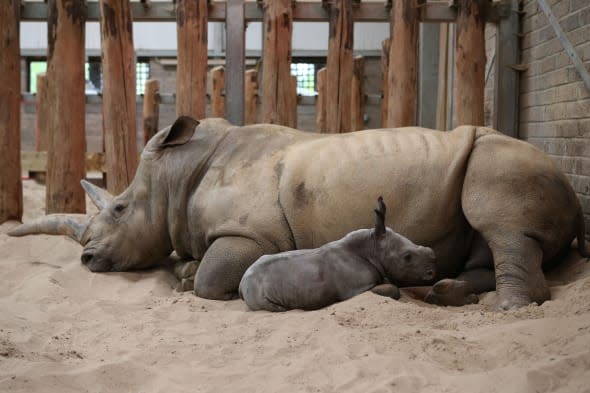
[
  {"x": 357, "y": 109},
  {"x": 443, "y": 69},
  {"x": 151, "y": 109},
  {"x": 438, "y": 11},
  {"x": 235, "y": 56},
  {"x": 385, "y": 46},
  {"x": 251, "y": 98},
  {"x": 191, "y": 73},
  {"x": 428, "y": 74},
  {"x": 66, "y": 108},
  {"x": 218, "y": 91},
  {"x": 339, "y": 66},
  {"x": 403, "y": 65},
  {"x": 119, "y": 109},
  {"x": 292, "y": 103},
  {"x": 41, "y": 114},
  {"x": 506, "y": 88},
  {"x": 320, "y": 109},
  {"x": 36, "y": 161},
  {"x": 11, "y": 189},
  {"x": 276, "y": 66},
  {"x": 565, "y": 42},
  {"x": 470, "y": 63}
]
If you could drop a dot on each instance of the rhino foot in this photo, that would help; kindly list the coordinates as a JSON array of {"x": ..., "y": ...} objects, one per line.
[
  {"x": 387, "y": 290},
  {"x": 449, "y": 292},
  {"x": 184, "y": 269},
  {"x": 185, "y": 285}
]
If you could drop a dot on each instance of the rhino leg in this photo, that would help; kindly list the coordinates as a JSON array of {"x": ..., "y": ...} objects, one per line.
[
  {"x": 223, "y": 265},
  {"x": 462, "y": 290},
  {"x": 387, "y": 290}
]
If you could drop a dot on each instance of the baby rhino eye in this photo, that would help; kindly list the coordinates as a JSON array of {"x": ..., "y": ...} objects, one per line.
[{"x": 119, "y": 208}]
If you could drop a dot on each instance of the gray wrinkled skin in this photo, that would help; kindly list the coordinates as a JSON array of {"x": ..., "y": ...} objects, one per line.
[
  {"x": 225, "y": 196},
  {"x": 336, "y": 271}
]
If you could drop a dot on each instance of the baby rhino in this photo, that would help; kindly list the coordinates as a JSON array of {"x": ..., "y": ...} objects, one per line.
[{"x": 336, "y": 271}]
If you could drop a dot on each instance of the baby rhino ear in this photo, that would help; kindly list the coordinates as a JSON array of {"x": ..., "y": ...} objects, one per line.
[
  {"x": 380, "y": 218},
  {"x": 180, "y": 132}
]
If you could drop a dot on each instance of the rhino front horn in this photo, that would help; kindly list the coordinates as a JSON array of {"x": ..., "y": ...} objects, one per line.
[
  {"x": 72, "y": 225},
  {"x": 101, "y": 198}
]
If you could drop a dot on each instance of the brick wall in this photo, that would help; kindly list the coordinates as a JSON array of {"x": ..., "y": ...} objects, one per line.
[{"x": 554, "y": 103}]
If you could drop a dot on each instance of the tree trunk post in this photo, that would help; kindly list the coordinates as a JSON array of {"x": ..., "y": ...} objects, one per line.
[
  {"x": 251, "y": 98},
  {"x": 218, "y": 91},
  {"x": 151, "y": 109}
]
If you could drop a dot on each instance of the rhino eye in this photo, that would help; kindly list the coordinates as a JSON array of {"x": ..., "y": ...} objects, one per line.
[
  {"x": 407, "y": 257},
  {"x": 119, "y": 208}
]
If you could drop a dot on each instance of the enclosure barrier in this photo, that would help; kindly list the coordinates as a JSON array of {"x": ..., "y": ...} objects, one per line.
[{"x": 236, "y": 92}]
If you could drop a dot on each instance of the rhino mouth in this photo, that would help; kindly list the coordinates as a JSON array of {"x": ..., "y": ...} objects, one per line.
[{"x": 95, "y": 263}]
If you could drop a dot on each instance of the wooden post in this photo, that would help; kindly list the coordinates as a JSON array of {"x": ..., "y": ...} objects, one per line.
[
  {"x": 119, "y": 93},
  {"x": 428, "y": 74},
  {"x": 11, "y": 188},
  {"x": 276, "y": 66},
  {"x": 218, "y": 91},
  {"x": 251, "y": 98},
  {"x": 292, "y": 103},
  {"x": 403, "y": 61},
  {"x": 320, "y": 108},
  {"x": 151, "y": 109},
  {"x": 443, "y": 62},
  {"x": 470, "y": 63},
  {"x": 235, "y": 61},
  {"x": 41, "y": 113},
  {"x": 66, "y": 107},
  {"x": 385, "y": 46},
  {"x": 357, "y": 110},
  {"x": 191, "y": 73},
  {"x": 339, "y": 65}
]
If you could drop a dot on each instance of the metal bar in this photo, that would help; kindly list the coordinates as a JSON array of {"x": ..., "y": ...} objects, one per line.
[
  {"x": 567, "y": 45},
  {"x": 302, "y": 12},
  {"x": 235, "y": 57}
]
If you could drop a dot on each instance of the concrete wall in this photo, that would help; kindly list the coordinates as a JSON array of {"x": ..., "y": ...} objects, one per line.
[{"x": 554, "y": 103}]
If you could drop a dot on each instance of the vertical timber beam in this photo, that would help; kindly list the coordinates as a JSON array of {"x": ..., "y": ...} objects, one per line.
[
  {"x": 66, "y": 107},
  {"x": 320, "y": 105},
  {"x": 217, "y": 91},
  {"x": 470, "y": 63},
  {"x": 428, "y": 75},
  {"x": 357, "y": 109},
  {"x": 276, "y": 65},
  {"x": 118, "y": 106},
  {"x": 151, "y": 109},
  {"x": 235, "y": 61},
  {"x": 442, "y": 91},
  {"x": 506, "y": 87},
  {"x": 403, "y": 64},
  {"x": 191, "y": 75},
  {"x": 251, "y": 98},
  {"x": 11, "y": 188},
  {"x": 385, "y": 46},
  {"x": 292, "y": 103},
  {"x": 41, "y": 113},
  {"x": 339, "y": 66}
]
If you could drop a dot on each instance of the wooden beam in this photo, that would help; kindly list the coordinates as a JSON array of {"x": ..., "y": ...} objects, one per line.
[
  {"x": 443, "y": 69},
  {"x": 470, "y": 63},
  {"x": 403, "y": 65},
  {"x": 191, "y": 73},
  {"x": 357, "y": 109},
  {"x": 320, "y": 109},
  {"x": 66, "y": 108},
  {"x": 292, "y": 103},
  {"x": 506, "y": 86},
  {"x": 41, "y": 114},
  {"x": 235, "y": 48},
  {"x": 119, "y": 123},
  {"x": 428, "y": 74},
  {"x": 218, "y": 91},
  {"x": 151, "y": 109},
  {"x": 36, "y": 161},
  {"x": 339, "y": 66},
  {"x": 276, "y": 65},
  {"x": 385, "y": 46},
  {"x": 11, "y": 189},
  {"x": 251, "y": 98}
]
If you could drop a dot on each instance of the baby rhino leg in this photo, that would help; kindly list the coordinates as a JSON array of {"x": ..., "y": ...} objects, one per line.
[{"x": 387, "y": 290}]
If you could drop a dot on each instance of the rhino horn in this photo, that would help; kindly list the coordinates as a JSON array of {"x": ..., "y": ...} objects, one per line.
[
  {"x": 100, "y": 197},
  {"x": 72, "y": 225}
]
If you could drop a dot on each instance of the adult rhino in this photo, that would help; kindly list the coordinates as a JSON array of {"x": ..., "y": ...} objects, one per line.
[{"x": 226, "y": 195}]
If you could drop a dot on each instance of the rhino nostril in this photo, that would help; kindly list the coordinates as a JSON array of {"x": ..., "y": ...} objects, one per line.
[
  {"x": 86, "y": 258},
  {"x": 430, "y": 273}
]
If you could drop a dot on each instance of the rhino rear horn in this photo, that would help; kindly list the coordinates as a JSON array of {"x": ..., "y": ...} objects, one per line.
[
  {"x": 380, "y": 217},
  {"x": 100, "y": 197},
  {"x": 72, "y": 225}
]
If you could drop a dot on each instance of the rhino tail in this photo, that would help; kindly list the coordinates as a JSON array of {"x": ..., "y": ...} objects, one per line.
[{"x": 582, "y": 235}]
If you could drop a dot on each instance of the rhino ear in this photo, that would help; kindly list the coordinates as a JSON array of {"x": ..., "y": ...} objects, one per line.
[
  {"x": 380, "y": 218},
  {"x": 180, "y": 132}
]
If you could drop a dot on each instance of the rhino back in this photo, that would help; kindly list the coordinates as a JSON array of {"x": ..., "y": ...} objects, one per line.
[{"x": 329, "y": 185}]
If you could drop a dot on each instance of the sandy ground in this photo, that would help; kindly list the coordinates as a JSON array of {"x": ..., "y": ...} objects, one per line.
[{"x": 65, "y": 329}]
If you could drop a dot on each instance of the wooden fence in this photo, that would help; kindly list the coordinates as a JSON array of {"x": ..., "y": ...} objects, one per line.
[{"x": 236, "y": 94}]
